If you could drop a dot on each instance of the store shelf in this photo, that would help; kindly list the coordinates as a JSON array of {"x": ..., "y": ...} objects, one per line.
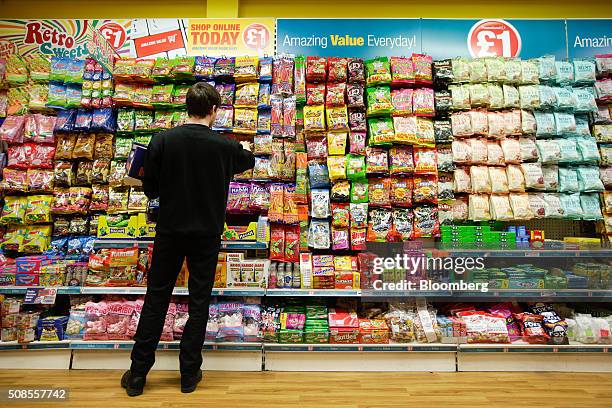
[
  {"x": 529, "y": 253},
  {"x": 21, "y": 290},
  {"x": 35, "y": 345},
  {"x": 121, "y": 243},
  {"x": 101, "y": 290},
  {"x": 534, "y": 357},
  {"x": 416, "y": 347},
  {"x": 523, "y": 347},
  {"x": 143, "y": 243},
  {"x": 314, "y": 292},
  {"x": 243, "y": 245},
  {"x": 163, "y": 345},
  {"x": 540, "y": 294}
]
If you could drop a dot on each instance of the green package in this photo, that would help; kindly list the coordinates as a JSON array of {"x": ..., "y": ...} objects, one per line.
[
  {"x": 378, "y": 71},
  {"x": 123, "y": 146},
  {"x": 125, "y": 120},
  {"x": 316, "y": 312},
  {"x": 143, "y": 120},
  {"x": 59, "y": 65},
  {"x": 591, "y": 209},
  {"x": 162, "y": 95},
  {"x": 381, "y": 131},
  {"x": 355, "y": 167},
  {"x": 74, "y": 71},
  {"x": 40, "y": 68},
  {"x": 161, "y": 69},
  {"x": 359, "y": 192},
  {"x": 143, "y": 139},
  {"x": 300, "y": 80},
  {"x": 379, "y": 101}
]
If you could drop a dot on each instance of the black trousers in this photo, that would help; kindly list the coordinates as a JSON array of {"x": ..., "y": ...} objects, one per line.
[{"x": 168, "y": 255}]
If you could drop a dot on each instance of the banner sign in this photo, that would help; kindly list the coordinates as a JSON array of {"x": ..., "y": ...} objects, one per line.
[
  {"x": 365, "y": 38},
  {"x": 586, "y": 38},
  {"x": 493, "y": 37},
  {"x": 158, "y": 37},
  {"x": 440, "y": 38},
  {"x": 230, "y": 37},
  {"x": 64, "y": 38}
]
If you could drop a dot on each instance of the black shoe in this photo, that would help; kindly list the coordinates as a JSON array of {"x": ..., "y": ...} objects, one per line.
[
  {"x": 133, "y": 385},
  {"x": 190, "y": 383}
]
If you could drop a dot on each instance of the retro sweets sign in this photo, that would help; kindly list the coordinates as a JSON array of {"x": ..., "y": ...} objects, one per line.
[{"x": 64, "y": 38}]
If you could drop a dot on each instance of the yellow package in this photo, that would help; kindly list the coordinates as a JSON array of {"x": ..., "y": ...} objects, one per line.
[
  {"x": 246, "y": 68},
  {"x": 425, "y": 135},
  {"x": 246, "y": 95},
  {"x": 245, "y": 121},
  {"x": 13, "y": 239},
  {"x": 337, "y": 118},
  {"x": 14, "y": 209},
  {"x": 36, "y": 239},
  {"x": 337, "y": 167},
  {"x": 314, "y": 118},
  {"x": 38, "y": 209},
  {"x": 336, "y": 143}
]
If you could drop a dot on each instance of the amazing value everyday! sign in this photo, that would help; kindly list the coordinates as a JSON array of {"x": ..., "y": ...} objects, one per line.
[
  {"x": 365, "y": 38},
  {"x": 586, "y": 38},
  {"x": 440, "y": 38}
]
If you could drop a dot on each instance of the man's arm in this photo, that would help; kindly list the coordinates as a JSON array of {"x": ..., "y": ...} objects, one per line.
[
  {"x": 152, "y": 168},
  {"x": 243, "y": 158}
]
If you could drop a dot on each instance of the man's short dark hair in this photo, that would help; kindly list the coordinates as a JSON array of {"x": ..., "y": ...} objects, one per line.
[{"x": 201, "y": 98}]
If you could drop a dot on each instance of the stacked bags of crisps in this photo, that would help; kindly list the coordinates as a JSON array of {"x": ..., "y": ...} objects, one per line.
[{"x": 522, "y": 146}]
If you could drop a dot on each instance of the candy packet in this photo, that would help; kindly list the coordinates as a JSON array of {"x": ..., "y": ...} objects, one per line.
[
  {"x": 379, "y": 100},
  {"x": 376, "y": 161},
  {"x": 379, "y": 225},
  {"x": 401, "y": 191},
  {"x": 425, "y": 189},
  {"x": 381, "y": 131},
  {"x": 426, "y": 223},
  {"x": 378, "y": 71}
]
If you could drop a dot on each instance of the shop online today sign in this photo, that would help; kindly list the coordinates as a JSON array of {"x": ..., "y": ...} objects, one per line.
[{"x": 444, "y": 38}]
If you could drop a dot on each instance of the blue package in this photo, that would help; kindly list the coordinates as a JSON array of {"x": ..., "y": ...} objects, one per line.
[
  {"x": 74, "y": 248},
  {"x": 318, "y": 175},
  {"x": 87, "y": 247},
  {"x": 204, "y": 67},
  {"x": 57, "y": 246},
  {"x": 82, "y": 121},
  {"x": 265, "y": 69},
  {"x": 65, "y": 120},
  {"x": 103, "y": 120}
]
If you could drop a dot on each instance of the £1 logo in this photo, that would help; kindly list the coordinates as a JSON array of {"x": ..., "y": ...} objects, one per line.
[
  {"x": 256, "y": 36},
  {"x": 494, "y": 38}
]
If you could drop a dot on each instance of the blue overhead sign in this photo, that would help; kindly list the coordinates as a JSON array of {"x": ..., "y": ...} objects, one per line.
[{"x": 586, "y": 38}]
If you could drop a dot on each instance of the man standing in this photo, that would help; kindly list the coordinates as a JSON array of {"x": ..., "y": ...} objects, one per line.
[{"x": 189, "y": 168}]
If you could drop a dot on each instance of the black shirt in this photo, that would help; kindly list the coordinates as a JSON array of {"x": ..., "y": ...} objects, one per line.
[{"x": 189, "y": 168}]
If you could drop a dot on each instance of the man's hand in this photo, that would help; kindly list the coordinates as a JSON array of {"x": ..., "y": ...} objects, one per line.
[{"x": 246, "y": 145}]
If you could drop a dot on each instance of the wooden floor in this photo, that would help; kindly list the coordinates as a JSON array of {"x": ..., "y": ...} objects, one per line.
[{"x": 338, "y": 390}]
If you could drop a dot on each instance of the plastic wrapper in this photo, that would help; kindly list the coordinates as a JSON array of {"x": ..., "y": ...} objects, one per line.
[
  {"x": 425, "y": 189},
  {"x": 512, "y": 150},
  {"x": 379, "y": 192},
  {"x": 461, "y": 123},
  {"x": 588, "y": 180},
  {"x": 319, "y": 234},
  {"x": 337, "y": 118},
  {"x": 405, "y": 129},
  {"x": 379, "y": 225},
  {"x": 460, "y": 96},
  {"x": 426, "y": 223},
  {"x": 549, "y": 151},
  {"x": 376, "y": 161},
  {"x": 479, "y": 207},
  {"x": 381, "y": 131},
  {"x": 499, "y": 180},
  {"x": 379, "y": 100},
  {"x": 480, "y": 152},
  {"x": 512, "y": 97}
]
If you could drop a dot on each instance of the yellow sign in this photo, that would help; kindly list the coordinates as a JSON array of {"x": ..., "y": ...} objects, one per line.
[{"x": 230, "y": 37}]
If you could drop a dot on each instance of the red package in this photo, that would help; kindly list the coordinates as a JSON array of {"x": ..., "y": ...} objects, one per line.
[
  {"x": 46, "y": 124},
  {"x": 531, "y": 327},
  {"x": 335, "y": 95},
  {"x": 337, "y": 69},
  {"x": 358, "y": 239},
  {"x": 316, "y": 148},
  {"x": 340, "y": 215},
  {"x": 95, "y": 326},
  {"x": 19, "y": 156},
  {"x": 357, "y": 142},
  {"x": 401, "y": 192},
  {"x": 316, "y": 69},
  {"x": 292, "y": 243},
  {"x": 12, "y": 129},
  {"x": 315, "y": 94},
  {"x": 42, "y": 156},
  {"x": 402, "y": 70},
  {"x": 422, "y": 68},
  {"x": 30, "y": 128},
  {"x": 118, "y": 320},
  {"x": 426, "y": 223},
  {"x": 277, "y": 242},
  {"x": 379, "y": 192},
  {"x": 425, "y": 189}
]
